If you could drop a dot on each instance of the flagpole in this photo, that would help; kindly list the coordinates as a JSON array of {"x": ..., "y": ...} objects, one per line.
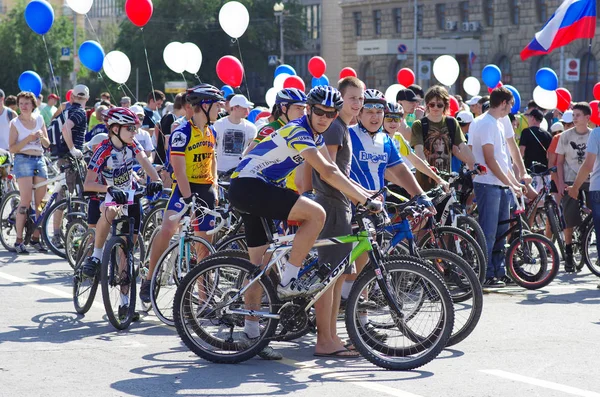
[
  {"x": 587, "y": 72},
  {"x": 562, "y": 67}
]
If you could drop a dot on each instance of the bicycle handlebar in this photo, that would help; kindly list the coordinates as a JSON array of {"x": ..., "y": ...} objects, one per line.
[{"x": 206, "y": 210}]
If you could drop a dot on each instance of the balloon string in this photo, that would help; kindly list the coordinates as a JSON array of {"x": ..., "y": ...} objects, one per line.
[
  {"x": 130, "y": 92},
  {"x": 244, "y": 75},
  {"x": 182, "y": 75},
  {"x": 51, "y": 68},
  {"x": 120, "y": 87},
  {"x": 105, "y": 84},
  {"x": 198, "y": 77},
  {"x": 148, "y": 64}
]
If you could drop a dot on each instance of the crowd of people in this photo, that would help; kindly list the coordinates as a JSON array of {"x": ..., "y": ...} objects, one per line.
[{"x": 316, "y": 156}]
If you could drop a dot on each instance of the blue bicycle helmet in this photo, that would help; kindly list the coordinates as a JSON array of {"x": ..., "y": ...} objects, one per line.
[
  {"x": 326, "y": 96},
  {"x": 290, "y": 96}
]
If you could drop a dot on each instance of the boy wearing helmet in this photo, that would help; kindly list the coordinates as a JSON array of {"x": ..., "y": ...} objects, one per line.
[{"x": 111, "y": 171}]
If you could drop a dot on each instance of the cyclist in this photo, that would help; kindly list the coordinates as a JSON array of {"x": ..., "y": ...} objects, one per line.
[
  {"x": 263, "y": 172},
  {"x": 111, "y": 171},
  {"x": 191, "y": 154}
]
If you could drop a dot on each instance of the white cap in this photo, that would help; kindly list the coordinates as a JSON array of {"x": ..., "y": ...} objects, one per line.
[
  {"x": 81, "y": 91},
  {"x": 137, "y": 109},
  {"x": 464, "y": 117},
  {"x": 567, "y": 117},
  {"x": 473, "y": 100},
  {"x": 557, "y": 127},
  {"x": 240, "y": 100},
  {"x": 97, "y": 139}
]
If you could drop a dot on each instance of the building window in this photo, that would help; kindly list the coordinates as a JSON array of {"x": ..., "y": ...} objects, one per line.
[
  {"x": 542, "y": 10},
  {"x": 398, "y": 19},
  {"x": 313, "y": 21},
  {"x": 420, "y": 11},
  {"x": 368, "y": 75},
  {"x": 592, "y": 78},
  {"x": 440, "y": 13},
  {"x": 377, "y": 22},
  {"x": 106, "y": 8},
  {"x": 488, "y": 12},
  {"x": 515, "y": 12},
  {"x": 504, "y": 65},
  {"x": 464, "y": 11},
  {"x": 358, "y": 23}
]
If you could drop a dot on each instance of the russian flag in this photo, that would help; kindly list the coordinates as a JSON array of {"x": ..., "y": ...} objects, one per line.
[{"x": 574, "y": 19}]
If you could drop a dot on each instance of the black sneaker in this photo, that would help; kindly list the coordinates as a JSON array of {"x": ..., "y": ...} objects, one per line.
[
  {"x": 507, "y": 281},
  {"x": 20, "y": 249},
  {"x": 124, "y": 310},
  {"x": 569, "y": 264},
  {"x": 91, "y": 267},
  {"x": 493, "y": 282},
  {"x": 145, "y": 291}
]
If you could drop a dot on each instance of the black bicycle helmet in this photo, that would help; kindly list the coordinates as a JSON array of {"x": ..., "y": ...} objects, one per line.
[
  {"x": 326, "y": 96},
  {"x": 203, "y": 93}
]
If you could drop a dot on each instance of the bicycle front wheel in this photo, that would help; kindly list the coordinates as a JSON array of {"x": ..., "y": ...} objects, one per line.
[
  {"x": 55, "y": 223},
  {"x": 557, "y": 231},
  {"x": 118, "y": 283},
  {"x": 84, "y": 288},
  {"x": 8, "y": 220},
  {"x": 590, "y": 249},
  {"x": 76, "y": 230},
  {"x": 532, "y": 261},
  {"x": 423, "y": 327}
]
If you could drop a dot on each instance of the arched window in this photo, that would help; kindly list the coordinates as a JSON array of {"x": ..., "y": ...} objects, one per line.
[
  {"x": 395, "y": 66},
  {"x": 367, "y": 75},
  {"x": 592, "y": 79},
  {"x": 504, "y": 65}
]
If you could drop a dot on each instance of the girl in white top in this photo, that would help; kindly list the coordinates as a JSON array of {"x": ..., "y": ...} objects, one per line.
[{"x": 27, "y": 139}]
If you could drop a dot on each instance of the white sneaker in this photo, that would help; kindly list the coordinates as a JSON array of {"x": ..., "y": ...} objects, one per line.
[{"x": 294, "y": 289}]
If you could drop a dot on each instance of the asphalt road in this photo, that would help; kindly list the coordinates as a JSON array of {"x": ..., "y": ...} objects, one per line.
[{"x": 528, "y": 343}]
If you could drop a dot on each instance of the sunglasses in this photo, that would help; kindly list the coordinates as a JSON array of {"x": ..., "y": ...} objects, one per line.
[
  {"x": 131, "y": 128},
  {"x": 439, "y": 105},
  {"x": 320, "y": 112},
  {"x": 377, "y": 106},
  {"x": 390, "y": 118}
]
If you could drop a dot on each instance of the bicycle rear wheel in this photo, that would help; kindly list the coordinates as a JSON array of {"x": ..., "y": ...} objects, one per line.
[
  {"x": 55, "y": 238},
  {"x": 84, "y": 288},
  {"x": 425, "y": 325},
  {"x": 590, "y": 244},
  {"x": 76, "y": 230},
  {"x": 199, "y": 311},
  {"x": 557, "y": 231},
  {"x": 8, "y": 220},
  {"x": 235, "y": 242},
  {"x": 472, "y": 227},
  {"x": 532, "y": 261},
  {"x": 118, "y": 283}
]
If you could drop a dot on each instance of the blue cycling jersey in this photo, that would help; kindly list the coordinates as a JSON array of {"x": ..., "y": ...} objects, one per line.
[{"x": 371, "y": 156}]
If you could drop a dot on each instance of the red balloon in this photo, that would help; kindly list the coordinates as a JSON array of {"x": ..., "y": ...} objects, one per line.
[
  {"x": 492, "y": 89},
  {"x": 347, "y": 72},
  {"x": 454, "y": 106},
  {"x": 564, "y": 99},
  {"x": 595, "y": 118},
  {"x": 405, "y": 77},
  {"x": 230, "y": 71},
  {"x": 139, "y": 12},
  {"x": 294, "y": 82},
  {"x": 317, "y": 67},
  {"x": 68, "y": 95},
  {"x": 597, "y": 91}
]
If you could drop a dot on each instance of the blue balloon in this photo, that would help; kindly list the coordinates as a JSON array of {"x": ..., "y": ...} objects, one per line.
[
  {"x": 227, "y": 90},
  {"x": 285, "y": 69},
  {"x": 517, "y": 106},
  {"x": 323, "y": 80},
  {"x": 491, "y": 75},
  {"x": 30, "y": 81},
  {"x": 91, "y": 55},
  {"x": 39, "y": 15},
  {"x": 252, "y": 115},
  {"x": 547, "y": 79}
]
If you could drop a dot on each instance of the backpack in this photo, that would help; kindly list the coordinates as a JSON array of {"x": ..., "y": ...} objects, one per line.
[
  {"x": 450, "y": 124},
  {"x": 57, "y": 142}
]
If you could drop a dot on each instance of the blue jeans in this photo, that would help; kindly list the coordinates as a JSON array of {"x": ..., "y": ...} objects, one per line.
[
  {"x": 594, "y": 201},
  {"x": 493, "y": 205}
]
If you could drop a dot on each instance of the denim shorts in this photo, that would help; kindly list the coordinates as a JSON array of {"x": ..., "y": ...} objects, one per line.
[{"x": 29, "y": 166}]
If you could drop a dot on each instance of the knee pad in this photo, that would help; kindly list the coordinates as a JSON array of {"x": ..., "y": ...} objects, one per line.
[{"x": 22, "y": 210}]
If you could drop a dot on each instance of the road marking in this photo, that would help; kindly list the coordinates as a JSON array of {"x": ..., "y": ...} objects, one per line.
[
  {"x": 542, "y": 383},
  {"x": 334, "y": 373},
  {"x": 31, "y": 284}
]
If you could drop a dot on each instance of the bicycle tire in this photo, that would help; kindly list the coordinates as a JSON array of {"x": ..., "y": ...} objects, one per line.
[
  {"x": 8, "y": 211},
  {"x": 152, "y": 221},
  {"x": 78, "y": 205},
  {"x": 557, "y": 233},
  {"x": 111, "y": 278},
  {"x": 579, "y": 242},
  {"x": 235, "y": 242},
  {"x": 594, "y": 266},
  {"x": 82, "y": 302},
  {"x": 188, "y": 322},
  {"x": 471, "y": 226},
  {"x": 549, "y": 261},
  {"x": 167, "y": 271},
  {"x": 471, "y": 251},
  {"x": 402, "y": 358},
  {"x": 76, "y": 230}
]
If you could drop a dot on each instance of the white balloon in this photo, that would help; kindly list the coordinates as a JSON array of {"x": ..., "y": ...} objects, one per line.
[
  {"x": 80, "y": 6},
  {"x": 175, "y": 57},
  {"x": 544, "y": 124},
  {"x": 234, "y": 19},
  {"x": 117, "y": 67},
  {"x": 544, "y": 98},
  {"x": 472, "y": 86},
  {"x": 279, "y": 80},
  {"x": 271, "y": 96},
  {"x": 392, "y": 91},
  {"x": 194, "y": 58},
  {"x": 446, "y": 70}
]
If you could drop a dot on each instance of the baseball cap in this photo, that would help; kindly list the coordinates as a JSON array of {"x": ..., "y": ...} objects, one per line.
[
  {"x": 464, "y": 117},
  {"x": 1, "y": 93},
  {"x": 53, "y": 96},
  {"x": 557, "y": 127},
  {"x": 473, "y": 101},
  {"x": 81, "y": 91},
  {"x": 125, "y": 99},
  {"x": 567, "y": 117},
  {"x": 240, "y": 100},
  {"x": 137, "y": 109},
  {"x": 407, "y": 95}
]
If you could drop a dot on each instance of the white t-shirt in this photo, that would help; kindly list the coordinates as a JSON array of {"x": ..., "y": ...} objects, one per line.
[
  {"x": 143, "y": 137},
  {"x": 489, "y": 130},
  {"x": 232, "y": 140},
  {"x": 573, "y": 146}
]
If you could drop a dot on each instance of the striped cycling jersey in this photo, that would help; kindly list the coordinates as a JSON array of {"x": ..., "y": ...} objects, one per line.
[
  {"x": 115, "y": 166},
  {"x": 371, "y": 156},
  {"x": 279, "y": 154}
]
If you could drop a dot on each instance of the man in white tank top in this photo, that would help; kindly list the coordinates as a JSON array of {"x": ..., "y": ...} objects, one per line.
[{"x": 6, "y": 115}]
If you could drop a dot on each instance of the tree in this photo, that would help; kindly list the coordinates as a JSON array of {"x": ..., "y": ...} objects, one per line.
[{"x": 22, "y": 50}]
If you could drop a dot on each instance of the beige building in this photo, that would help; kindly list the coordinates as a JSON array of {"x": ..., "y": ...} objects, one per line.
[{"x": 378, "y": 40}]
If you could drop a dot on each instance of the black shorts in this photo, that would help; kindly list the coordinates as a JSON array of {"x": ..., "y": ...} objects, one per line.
[
  {"x": 257, "y": 199},
  {"x": 93, "y": 211}
]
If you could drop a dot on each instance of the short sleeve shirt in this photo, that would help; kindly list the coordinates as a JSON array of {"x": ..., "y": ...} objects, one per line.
[
  {"x": 489, "y": 131},
  {"x": 593, "y": 147},
  {"x": 536, "y": 142},
  {"x": 198, "y": 147},
  {"x": 232, "y": 140},
  {"x": 573, "y": 146},
  {"x": 115, "y": 166},
  {"x": 554, "y": 143},
  {"x": 77, "y": 116}
]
